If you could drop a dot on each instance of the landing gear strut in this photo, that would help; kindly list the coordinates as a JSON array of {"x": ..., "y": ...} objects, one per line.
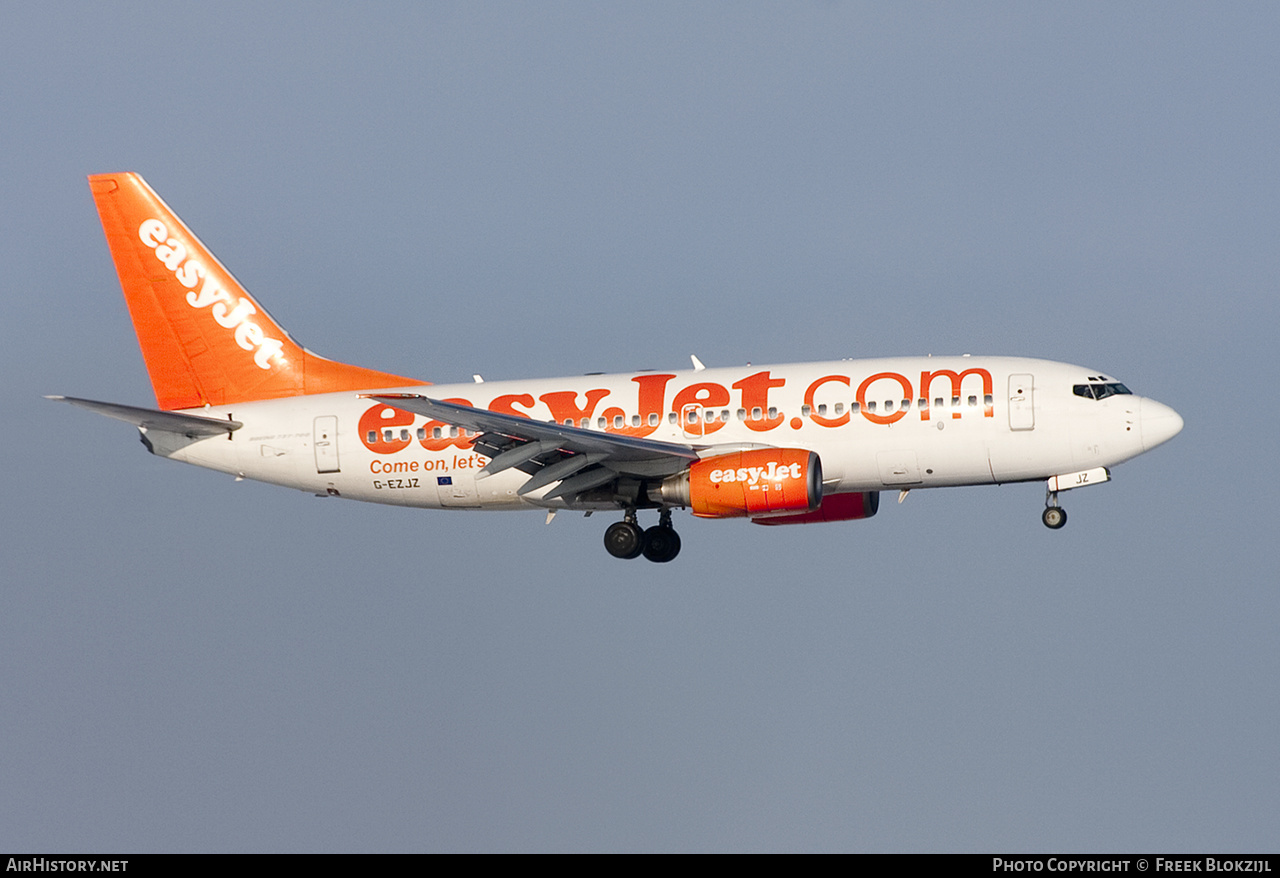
[
  {"x": 1054, "y": 516},
  {"x": 625, "y": 539}
]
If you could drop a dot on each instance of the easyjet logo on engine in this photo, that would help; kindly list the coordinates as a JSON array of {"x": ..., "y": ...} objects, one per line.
[
  {"x": 754, "y": 474},
  {"x": 231, "y": 312}
]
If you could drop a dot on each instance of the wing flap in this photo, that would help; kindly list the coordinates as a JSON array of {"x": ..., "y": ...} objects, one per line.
[
  {"x": 585, "y": 480},
  {"x": 515, "y": 456}
]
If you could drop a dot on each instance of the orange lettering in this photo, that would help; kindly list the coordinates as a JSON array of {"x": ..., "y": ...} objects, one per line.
[
  {"x": 862, "y": 397},
  {"x": 649, "y": 406},
  {"x": 375, "y": 429},
  {"x": 926, "y": 379},
  {"x": 428, "y": 440},
  {"x": 808, "y": 400},
  {"x": 755, "y": 395},
  {"x": 506, "y": 404},
  {"x": 702, "y": 396},
  {"x": 564, "y": 405}
]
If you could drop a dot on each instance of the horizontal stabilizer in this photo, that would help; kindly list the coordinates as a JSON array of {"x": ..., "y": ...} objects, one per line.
[{"x": 151, "y": 419}]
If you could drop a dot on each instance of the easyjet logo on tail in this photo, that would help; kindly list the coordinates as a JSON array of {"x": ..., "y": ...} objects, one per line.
[{"x": 231, "y": 312}]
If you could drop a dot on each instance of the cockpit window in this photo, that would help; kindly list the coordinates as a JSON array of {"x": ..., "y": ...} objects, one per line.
[{"x": 1100, "y": 390}]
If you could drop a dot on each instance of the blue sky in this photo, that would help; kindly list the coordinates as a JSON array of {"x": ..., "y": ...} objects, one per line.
[{"x": 190, "y": 663}]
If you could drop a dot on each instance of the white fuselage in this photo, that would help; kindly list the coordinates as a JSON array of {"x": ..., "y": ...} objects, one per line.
[{"x": 896, "y": 423}]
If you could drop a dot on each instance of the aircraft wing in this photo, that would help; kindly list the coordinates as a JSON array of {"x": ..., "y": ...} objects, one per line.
[{"x": 548, "y": 452}]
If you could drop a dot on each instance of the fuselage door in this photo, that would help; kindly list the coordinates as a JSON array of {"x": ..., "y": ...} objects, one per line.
[
  {"x": 1022, "y": 412},
  {"x": 458, "y": 489},
  {"x": 899, "y": 467},
  {"x": 324, "y": 437}
]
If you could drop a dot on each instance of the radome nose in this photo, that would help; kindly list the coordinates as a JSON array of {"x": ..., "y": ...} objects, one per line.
[{"x": 1159, "y": 424}]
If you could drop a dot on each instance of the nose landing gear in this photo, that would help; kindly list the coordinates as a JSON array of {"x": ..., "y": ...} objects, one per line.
[
  {"x": 1054, "y": 516},
  {"x": 625, "y": 539}
]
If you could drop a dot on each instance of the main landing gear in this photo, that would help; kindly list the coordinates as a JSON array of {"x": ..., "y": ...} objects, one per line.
[
  {"x": 626, "y": 539},
  {"x": 1054, "y": 516}
]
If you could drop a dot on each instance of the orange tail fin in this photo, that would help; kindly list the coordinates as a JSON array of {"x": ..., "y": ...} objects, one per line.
[{"x": 204, "y": 338}]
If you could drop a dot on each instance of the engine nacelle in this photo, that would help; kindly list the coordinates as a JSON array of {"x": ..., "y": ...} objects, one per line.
[
  {"x": 834, "y": 507},
  {"x": 757, "y": 483}
]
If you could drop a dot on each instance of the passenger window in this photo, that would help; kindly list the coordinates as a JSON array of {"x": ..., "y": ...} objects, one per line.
[
  {"x": 987, "y": 400},
  {"x": 938, "y": 402},
  {"x": 635, "y": 420},
  {"x": 755, "y": 413},
  {"x": 773, "y": 412},
  {"x": 672, "y": 418},
  {"x": 742, "y": 414},
  {"x": 617, "y": 422},
  {"x": 653, "y": 419},
  {"x": 839, "y": 409},
  {"x": 888, "y": 406},
  {"x": 871, "y": 406},
  {"x": 973, "y": 402},
  {"x": 373, "y": 436},
  {"x": 805, "y": 411},
  {"x": 437, "y": 433},
  {"x": 855, "y": 407}
]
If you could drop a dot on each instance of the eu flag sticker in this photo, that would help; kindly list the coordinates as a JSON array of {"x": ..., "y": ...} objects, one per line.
[{"x": 444, "y": 480}]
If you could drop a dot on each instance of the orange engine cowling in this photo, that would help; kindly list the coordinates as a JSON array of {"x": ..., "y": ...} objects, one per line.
[{"x": 757, "y": 483}]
